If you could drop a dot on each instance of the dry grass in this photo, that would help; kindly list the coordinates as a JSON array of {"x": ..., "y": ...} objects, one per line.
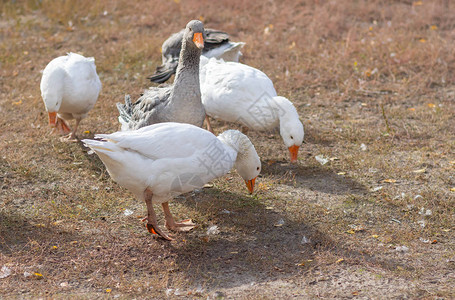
[{"x": 379, "y": 73}]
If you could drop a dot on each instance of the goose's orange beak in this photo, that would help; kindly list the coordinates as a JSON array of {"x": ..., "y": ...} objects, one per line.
[
  {"x": 198, "y": 40},
  {"x": 293, "y": 150},
  {"x": 250, "y": 184},
  {"x": 52, "y": 118}
]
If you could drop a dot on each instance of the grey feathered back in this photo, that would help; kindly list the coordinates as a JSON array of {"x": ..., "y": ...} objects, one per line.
[{"x": 180, "y": 102}]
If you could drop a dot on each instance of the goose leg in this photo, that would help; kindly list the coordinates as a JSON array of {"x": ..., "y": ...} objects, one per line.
[
  {"x": 62, "y": 127},
  {"x": 244, "y": 129},
  {"x": 152, "y": 225},
  {"x": 72, "y": 136},
  {"x": 209, "y": 127},
  {"x": 185, "y": 225}
]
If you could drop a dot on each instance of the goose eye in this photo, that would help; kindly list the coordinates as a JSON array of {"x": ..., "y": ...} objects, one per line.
[
  {"x": 257, "y": 168},
  {"x": 292, "y": 137}
]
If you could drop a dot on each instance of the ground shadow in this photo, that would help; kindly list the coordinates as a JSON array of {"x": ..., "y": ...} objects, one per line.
[
  {"x": 255, "y": 244},
  {"x": 314, "y": 178},
  {"x": 17, "y": 232}
]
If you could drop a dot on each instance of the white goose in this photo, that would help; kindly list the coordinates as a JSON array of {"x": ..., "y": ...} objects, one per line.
[
  {"x": 69, "y": 87},
  {"x": 161, "y": 161},
  {"x": 238, "y": 93}
]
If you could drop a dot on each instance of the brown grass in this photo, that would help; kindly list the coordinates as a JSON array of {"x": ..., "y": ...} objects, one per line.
[{"x": 379, "y": 73}]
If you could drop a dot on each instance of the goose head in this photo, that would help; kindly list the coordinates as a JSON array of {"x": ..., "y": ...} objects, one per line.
[
  {"x": 291, "y": 129},
  {"x": 52, "y": 106},
  {"x": 195, "y": 34},
  {"x": 247, "y": 163}
]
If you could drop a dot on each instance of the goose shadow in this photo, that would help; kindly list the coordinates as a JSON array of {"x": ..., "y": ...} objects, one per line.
[
  {"x": 313, "y": 178},
  {"x": 17, "y": 232},
  {"x": 255, "y": 244}
]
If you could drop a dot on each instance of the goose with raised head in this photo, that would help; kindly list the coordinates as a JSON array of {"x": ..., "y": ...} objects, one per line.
[
  {"x": 160, "y": 161},
  {"x": 238, "y": 93},
  {"x": 69, "y": 87},
  {"x": 216, "y": 44},
  {"x": 180, "y": 102}
]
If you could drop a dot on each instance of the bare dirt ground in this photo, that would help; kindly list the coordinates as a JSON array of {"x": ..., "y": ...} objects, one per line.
[{"x": 374, "y": 84}]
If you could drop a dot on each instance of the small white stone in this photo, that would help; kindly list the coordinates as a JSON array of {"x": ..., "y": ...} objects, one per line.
[
  {"x": 321, "y": 159},
  {"x": 304, "y": 240},
  {"x": 212, "y": 230},
  {"x": 402, "y": 249},
  {"x": 5, "y": 272},
  {"x": 128, "y": 212}
]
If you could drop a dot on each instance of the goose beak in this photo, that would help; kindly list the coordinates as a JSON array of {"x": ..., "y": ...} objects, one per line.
[
  {"x": 198, "y": 40},
  {"x": 293, "y": 150},
  {"x": 52, "y": 118},
  {"x": 250, "y": 184}
]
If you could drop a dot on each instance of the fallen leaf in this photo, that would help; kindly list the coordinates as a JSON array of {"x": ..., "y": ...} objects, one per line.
[
  {"x": 433, "y": 27},
  {"x": 271, "y": 162},
  {"x": 18, "y": 102},
  {"x": 201, "y": 18},
  {"x": 340, "y": 260},
  {"x": 54, "y": 247},
  {"x": 73, "y": 242},
  {"x": 341, "y": 173},
  {"x": 356, "y": 228},
  {"x": 87, "y": 132},
  {"x": 375, "y": 236},
  {"x": 292, "y": 45},
  {"x": 355, "y": 293},
  {"x": 108, "y": 290},
  {"x": 412, "y": 109},
  {"x": 279, "y": 223},
  {"x": 420, "y": 171},
  {"x": 423, "y": 40},
  {"x": 452, "y": 162},
  {"x": 417, "y": 3},
  {"x": 452, "y": 189},
  {"x": 38, "y": 276},
  {"x": 350, "y": 231},
  {"x": 431, "y": 105},
  {"x": 389, "y": 180},
  {"x": 434, "y": 242}
]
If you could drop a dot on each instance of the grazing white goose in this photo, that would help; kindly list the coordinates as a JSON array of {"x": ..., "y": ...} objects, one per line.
[
  {"x": 238, "y": 93},
  {"x": 69, "y": 87},
  {"x": 180, "y": 102},
  {"x": 216, "y": 44},
  {"x": 161, "y": 161}
]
